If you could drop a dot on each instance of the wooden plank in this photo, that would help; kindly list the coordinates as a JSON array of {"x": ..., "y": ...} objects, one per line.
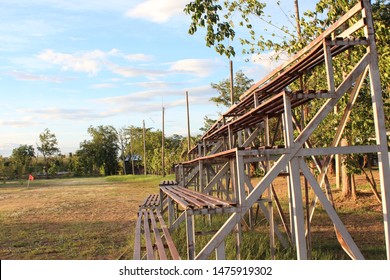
[
  {"x": 156, "y": 200},
  {"x": 137, "y": 241},
  {"x": 207, "y": 199},
  {"x": 194, "y": 198},
  {"x": 159, "y": 243},
  {"x": 176, "y": 198},
  {"x": 148, "y": 238},
  {"x": 172, "y": 248},
  {"x": 193, "y": 201}
]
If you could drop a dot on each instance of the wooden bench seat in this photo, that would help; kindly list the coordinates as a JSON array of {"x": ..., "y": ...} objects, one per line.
[
  {"x": 189, "y": 199},
  {"x": 151, "y": 202},
  {"x": 152, "y": 238}
]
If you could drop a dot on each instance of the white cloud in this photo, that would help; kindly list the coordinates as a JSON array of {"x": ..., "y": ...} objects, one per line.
[
  {"x": 159, "y": 11},
  {"x": 139, "y": 57},
  {"x": 138, "y": 100},
  {"x": 24, "y": 76},
  {"x": 88, "y": 62},
  {"x": 129, "y": 72},
  {"x": 198, "y": 67},
  {"x": 68, "y": 114},
  {"x": 100, "y": 86},
  {"x": 93, "y": 62},
  {"x": 18, "y": 123}
]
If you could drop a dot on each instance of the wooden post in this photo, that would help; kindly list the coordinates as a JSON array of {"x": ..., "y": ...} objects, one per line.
[
  {"x": 163, "y": 144},
  {"x": 190, "y": 228},
  {"x": 379, "y": 121},
  {"x": 270, "y": 197},
  {"x": 188, "y": 127},
  {"x": 144, "y": 140},
  {"x": 231, "y": 84},
  {"x": 293, "y": 167}
]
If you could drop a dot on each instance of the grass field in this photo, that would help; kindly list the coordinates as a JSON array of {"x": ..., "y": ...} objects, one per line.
[
  {"x": 94, "y": 218},
  {"x": 88, "y": 218}
]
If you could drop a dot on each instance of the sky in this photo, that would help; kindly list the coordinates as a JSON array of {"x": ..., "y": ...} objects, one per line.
[{"x": 67, "y": 65}]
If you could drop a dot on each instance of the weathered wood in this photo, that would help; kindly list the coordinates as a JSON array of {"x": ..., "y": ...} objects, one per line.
[
  {"x": 172, "y": 248},
  {"x": 330, "y": 210},
  {"x": 190, "y": 230},
  {"x": 184, "y": 204},
  {"x": 148, "y": 238},
  {"x": 159, "y": 242},
  {"x": 137, "y": 239},
  {"x": 293, "y": 168},
  {"x": 379, "y": 123}
]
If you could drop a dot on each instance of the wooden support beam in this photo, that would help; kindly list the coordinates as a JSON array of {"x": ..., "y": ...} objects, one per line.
[
  {"x": 379, "y": 122},
  {"x": 190, "y": 230},
  {"x": 330, "y": 210},
  {"x": 296, "y": 192},
  {"x": 220, "y": 251},
  {"x": 329, "y": 68}
]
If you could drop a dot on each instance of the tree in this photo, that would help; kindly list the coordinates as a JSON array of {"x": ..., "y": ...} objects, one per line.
[
  {"x": 22, "y": 157},
  {"x": 208, "y": 123},
  {"x": 217, "y": 18},
  {"x": 241, "y": 84},
  {"x": 101, "y": 152},
  {"x": 123, "y": 141},
  {"x": 48, "y": 147}
]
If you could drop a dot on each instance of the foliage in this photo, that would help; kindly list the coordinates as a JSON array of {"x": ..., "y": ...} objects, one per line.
[
  {"x": 48, "y": 147},
  {"x": 21, "y": 158},
  {"x": 241, "y": 84},
  {"x": 208, "y": 123},
  {"x": 218, "y": 20},
  {"x": 101, "y": 152}
]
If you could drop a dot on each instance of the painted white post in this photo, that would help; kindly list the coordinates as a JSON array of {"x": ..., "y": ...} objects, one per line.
[
  {"x": 296, "y": 192},
  {"x": 379, "y": 120}
]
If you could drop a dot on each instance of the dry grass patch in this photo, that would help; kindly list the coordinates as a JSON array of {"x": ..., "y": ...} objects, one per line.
[{"x": 71, "y": 218}]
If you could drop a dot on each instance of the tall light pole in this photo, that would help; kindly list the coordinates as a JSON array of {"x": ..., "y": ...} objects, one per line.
[
  {"x": 144, "y": 140},
  {"x": 162, "y": 144},
  {"x": 188, "y": 126}
]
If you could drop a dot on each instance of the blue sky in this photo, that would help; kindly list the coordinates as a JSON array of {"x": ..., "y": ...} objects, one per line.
[{"x": 67, "y": 65}]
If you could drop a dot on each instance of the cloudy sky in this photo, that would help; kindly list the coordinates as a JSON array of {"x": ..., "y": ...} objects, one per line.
[{"x": 68, "y": 64}]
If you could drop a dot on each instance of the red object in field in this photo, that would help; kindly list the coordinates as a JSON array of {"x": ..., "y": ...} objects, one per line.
[{"x": 30, "y": 177}]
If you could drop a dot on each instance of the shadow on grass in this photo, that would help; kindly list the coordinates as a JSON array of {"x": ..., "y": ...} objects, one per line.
[{"x": 65, "y": 241}]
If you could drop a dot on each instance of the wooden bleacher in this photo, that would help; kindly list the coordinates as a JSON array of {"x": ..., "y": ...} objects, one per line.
[{"x": 152, "y": 237}]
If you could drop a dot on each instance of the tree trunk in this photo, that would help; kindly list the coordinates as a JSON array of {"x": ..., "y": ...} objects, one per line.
[
  {"x": 353, "y": 186},
  {"x": 345, "y": 179}
]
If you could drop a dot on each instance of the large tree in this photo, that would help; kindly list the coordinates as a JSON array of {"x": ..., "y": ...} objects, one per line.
[
  {"x": 101, "y": 152},
  {"x": 21, "y": 158},
  {"x": 48, "y": 147}
]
